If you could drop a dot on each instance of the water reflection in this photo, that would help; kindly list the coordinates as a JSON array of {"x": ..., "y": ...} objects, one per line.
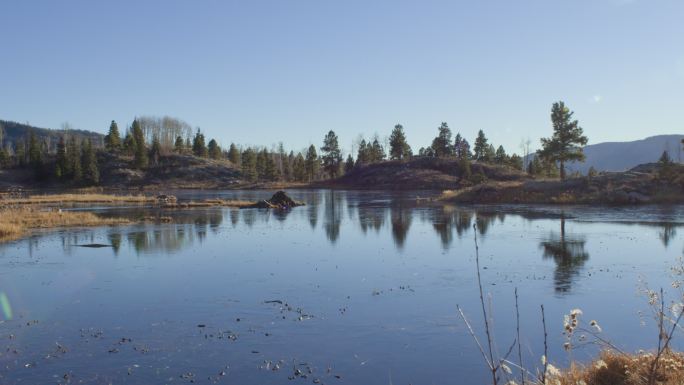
[{"x": 568, "y": 252}]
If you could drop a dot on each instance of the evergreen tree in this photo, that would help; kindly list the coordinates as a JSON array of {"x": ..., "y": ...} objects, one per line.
[
  {"x": 534, "y": 167},
  {"x": 516, "y": 162},
  {"x": 20, "y": 153},
  {"x": 464, "y": 167},
  {"x": 61, "y": 168},
  {"x": 214, "y": 150},
  {"x": 441, "y": 145},
  {"x": 376, "y": 151},
  {"x": 666, "y": 166},
  {"x": 311, "y": 163},
  {"x": 332, "y": 156},
  {"x": 261, "y": 164},
  {"x": 129, "y": 144},
  {"x": 199, "y": 147},
  {"x": 349, "y": 164},
  {"x": 75, "y": 170},
  {"x": 249, "y": 164},
  {"x": 566, "y": 143},
  {"x": 299, "y": 168},
  {"x": 270, "y": 172},
  {"x": 4, "y": 158},
  {"x": 140, "y": 155},
  {"x": 178, "y": 146},
  {"x": 91, "y": 173},
  {"x": 363, "y": 155},
  {"x": 35, "y": 154},
  {"x": 399, "y": 148},
  {"x": 155, "y": 150},
  {"x": 287, "y": 166},
  {"x": 113, "y": 139},
  {"x": 500, "y": 156},
  {"x": 481, "y": 148},
  {"x": 234, "y": 154}
]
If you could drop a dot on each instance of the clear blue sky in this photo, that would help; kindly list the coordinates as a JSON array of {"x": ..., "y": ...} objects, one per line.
[{"x": 259, "y": 72}]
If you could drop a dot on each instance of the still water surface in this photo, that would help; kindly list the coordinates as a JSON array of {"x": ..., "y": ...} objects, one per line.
[{"x": 354, "y": 288}]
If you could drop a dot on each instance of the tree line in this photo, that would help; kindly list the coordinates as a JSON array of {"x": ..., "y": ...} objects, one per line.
[{"x": 148, "y": 139}]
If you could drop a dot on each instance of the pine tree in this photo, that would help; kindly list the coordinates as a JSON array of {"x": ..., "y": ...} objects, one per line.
[
  {"x": 234, "y": 154},
  {"x": 178, "y": 146},
  {"x": 140, "y": 156},
  {"x": 214, "y": 150},
  {"x": 270, "y": 172},
  {"x": 20, "y": 153},
  {"x": 35, "y": 154},
  {"x": 299, "y": 168},
  {"x": 74, "y": 160},
  {"x": 441, "y": 145},
  {"x": 376, "y": 151},
  {"x": 500, "y": 156},
  {"x": 91, "y": 173},
  {"x": 666, "y": 170},
  {"x": 516, "y": 162},
  {"x": 61, "y": 160},
  {"x": 129, "y": 144},
  {"x": 155, "y": 150},
  {"x": 311, "y": 163},
  {"x": 249, "y": 164},
  {"x": 481, "y": 147},
  {"x": 363, "y": 156},
  {"x": 332, "y": 156},
  {"x": 349, "y": 164},
  {"x": 113, "y": 139},
  {"x": 399, "y": 148},
  {"x": 199, "y": 148},
  {"x": 566, "y": 143}
]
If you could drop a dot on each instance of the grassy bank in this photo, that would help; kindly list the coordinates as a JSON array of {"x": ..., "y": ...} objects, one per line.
[
  {"x": 17, "y": 222},
  {"x": 77, "y": 198}
]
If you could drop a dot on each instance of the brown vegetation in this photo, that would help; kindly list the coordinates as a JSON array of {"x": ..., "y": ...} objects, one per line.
[
  {"x": 632, "y": 187},
  {"x": 76, "y": 198},
  {"x": 613, "y": 368},
  {"x": 16, "y": 222}
]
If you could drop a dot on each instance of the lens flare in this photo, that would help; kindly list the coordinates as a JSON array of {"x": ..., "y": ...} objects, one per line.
[{"x": 6, "y": 307}]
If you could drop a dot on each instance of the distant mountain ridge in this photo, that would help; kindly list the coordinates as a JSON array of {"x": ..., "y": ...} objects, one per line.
[
  {"x": 14, "y": 132},
  {"x": 622, "y": 156}
]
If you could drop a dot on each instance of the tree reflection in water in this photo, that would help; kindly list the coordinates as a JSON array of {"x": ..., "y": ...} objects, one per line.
[{"x": 567, "y": 251}]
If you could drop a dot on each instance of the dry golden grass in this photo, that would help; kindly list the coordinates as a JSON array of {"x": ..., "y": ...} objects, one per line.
[
  {"x": 619, "y": 369},
  {"x": 15, "y": 222},
  {"x": 78, "y": 198}
]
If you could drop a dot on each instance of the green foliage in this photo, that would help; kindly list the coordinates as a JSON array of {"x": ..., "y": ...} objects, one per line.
[
  {"x": 666, "y": 168},
  {"x": 481, "y": 149},
  {"x": 566, "y": 143},
  {"x": 91, "y": 173},
  {"x": 399, "y": 147},
  {"x": 376, "y": 151},
  {"x": 249, "y": 164},
  {"x": 155, "y": 150},
  {"x": 312, "y": 163},
  {"x": 178, "y": 146},
  {"x": 515, "y": 161},
  {"x": 61, "y": 165},
  {"x": 75, "y": 171},
  {"x": 4, "y": 158},
  {"x": 129, "y": 144},
  {"x": 35, "y": 153},
  {"x": 20, "y": 153},
  {"x": 140, "y": 155},
  {"x": 299, "y": 168},
  {"x": 265, "y": 166},
  {"x": 461, "y": 147},
  {"x": 349, "y": 164},
  {"x": 199, "y": 147},
  {"x": 234, "y": 154},
  {"x": 500, "y": 157},
  {"x": 112, "y": 140},
  {"x": 332, "y": 156},
  {"x": 363, "y": 154},
  {"x": 441, "y": 145},
  {"x": 214, "y": 150}
]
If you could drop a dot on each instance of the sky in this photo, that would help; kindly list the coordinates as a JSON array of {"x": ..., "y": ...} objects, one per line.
[{"x": 260, "y": 72}]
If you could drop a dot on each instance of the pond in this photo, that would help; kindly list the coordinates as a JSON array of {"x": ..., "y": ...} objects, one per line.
[{"x": 353, "y": 288}]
